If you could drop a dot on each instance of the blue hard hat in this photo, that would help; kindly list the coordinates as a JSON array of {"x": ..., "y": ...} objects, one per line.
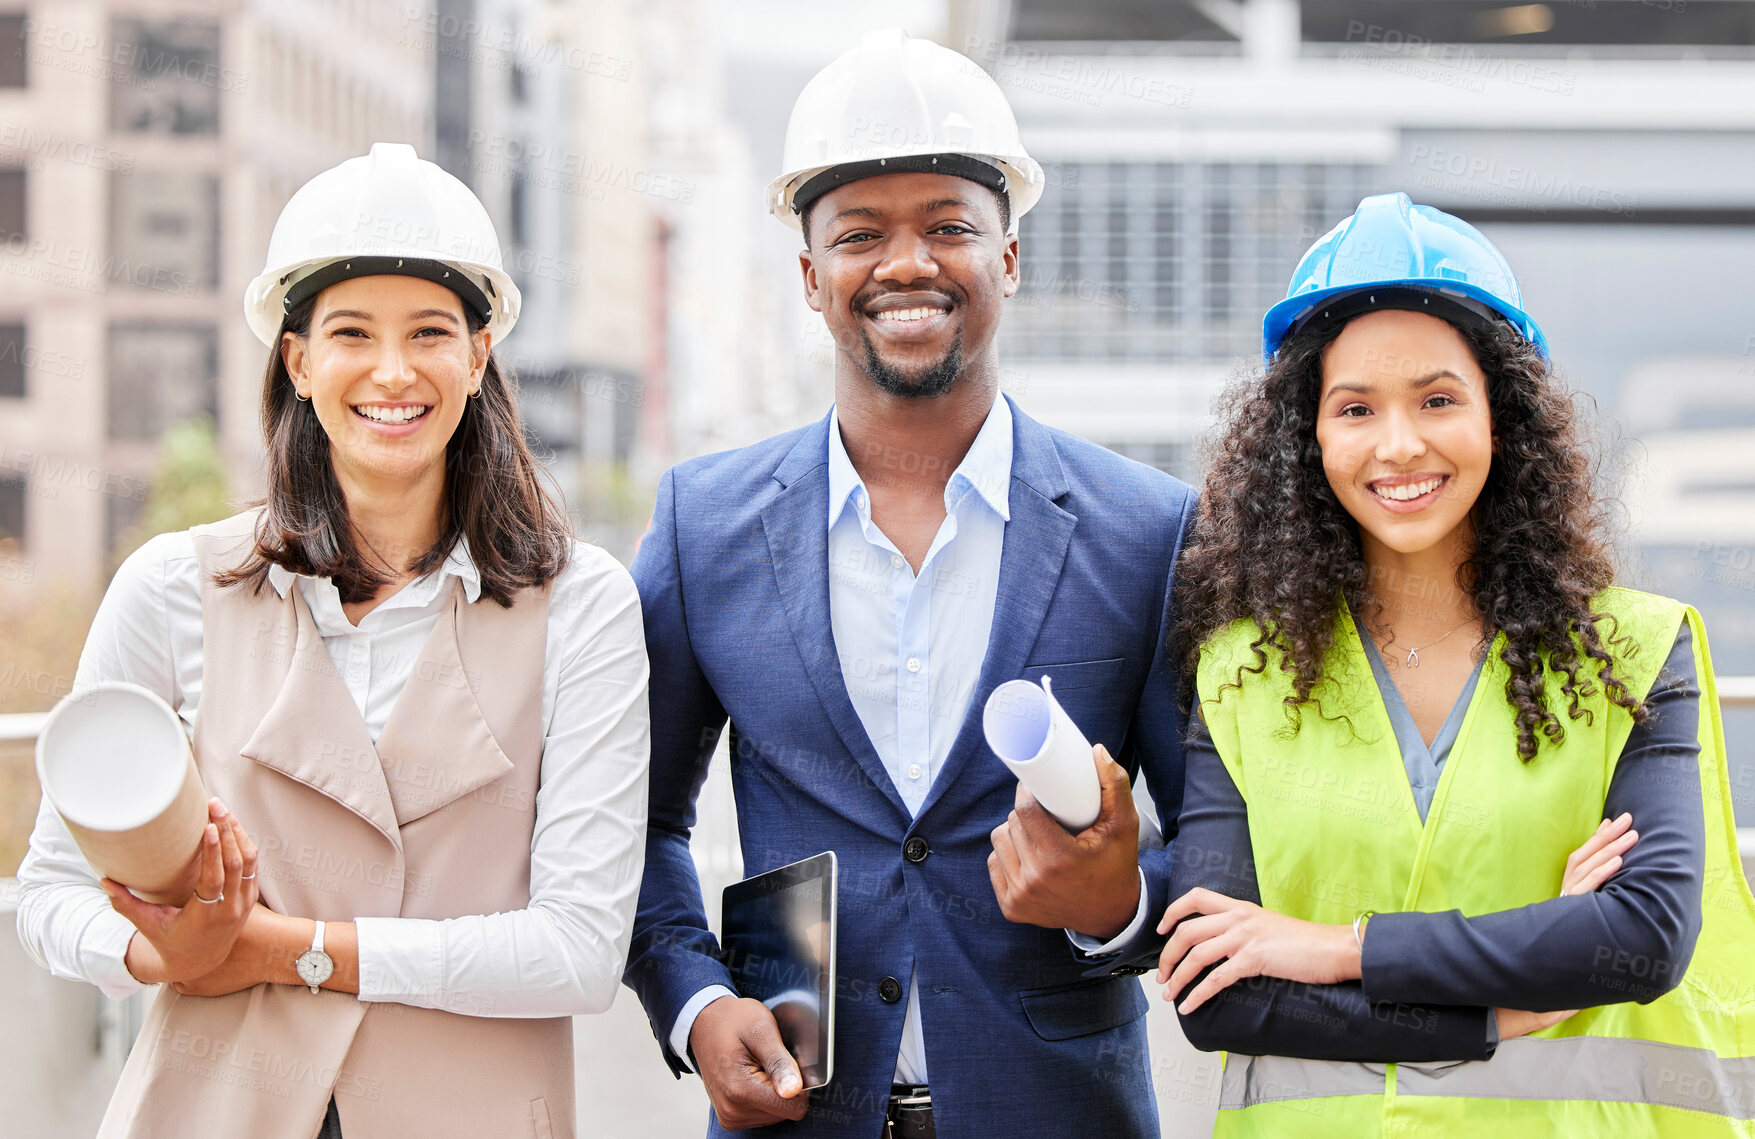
[{"x": 1391, "y": 248}]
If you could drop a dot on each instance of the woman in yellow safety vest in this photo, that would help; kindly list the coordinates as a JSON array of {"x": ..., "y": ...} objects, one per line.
[{"x": 1409, "y": 898}]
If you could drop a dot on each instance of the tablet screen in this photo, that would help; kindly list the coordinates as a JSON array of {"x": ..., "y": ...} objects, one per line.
[{"x": 779, "y": 944}]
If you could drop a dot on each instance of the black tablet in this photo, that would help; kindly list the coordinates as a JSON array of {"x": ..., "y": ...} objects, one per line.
[{"x": 779, "y": 943}]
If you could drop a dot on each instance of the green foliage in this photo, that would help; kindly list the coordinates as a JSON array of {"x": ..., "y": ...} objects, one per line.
[
  {"x": 188, "y": 489},
  {"x": 611, "y": 508}
]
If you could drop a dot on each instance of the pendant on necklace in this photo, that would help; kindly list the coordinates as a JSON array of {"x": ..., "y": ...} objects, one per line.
[{"x": 1413, "y": 660}]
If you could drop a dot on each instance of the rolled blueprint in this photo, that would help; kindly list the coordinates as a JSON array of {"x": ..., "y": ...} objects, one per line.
[
  {"x": 1032, "y": 734},
  {"x": 114, "y": 763}
]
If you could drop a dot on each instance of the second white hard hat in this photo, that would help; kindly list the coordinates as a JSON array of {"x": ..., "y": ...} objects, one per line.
[
  {"x": 388, "y": 212},
  {"x": 895, "y": 97}
]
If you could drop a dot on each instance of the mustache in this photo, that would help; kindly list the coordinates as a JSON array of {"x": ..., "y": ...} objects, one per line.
[{"x": 863, "y": 301}]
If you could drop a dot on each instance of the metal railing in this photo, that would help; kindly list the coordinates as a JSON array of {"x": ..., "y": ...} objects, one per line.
[
  {"x": 1739, "y": 692},
  {"x": 715, "y": 848}
]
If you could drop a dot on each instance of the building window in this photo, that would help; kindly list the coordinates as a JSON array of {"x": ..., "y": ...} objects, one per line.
[
  {"x": 161, "y": 374},
  {"x": 12, "y": 492},
  {"x": 164, "y": 230},
  {"x": 12, "y": 352},
  {"x": 1169, "y": 261},
  {"x": 1173, "y": 458},
  {"x": 170, "y": 78},
  {"x": 12, "y": 205},
  {"x": 13, "y": 70}
]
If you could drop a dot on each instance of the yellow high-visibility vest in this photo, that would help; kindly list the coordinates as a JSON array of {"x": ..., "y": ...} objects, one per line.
[{"x": 1335, "y": 832}]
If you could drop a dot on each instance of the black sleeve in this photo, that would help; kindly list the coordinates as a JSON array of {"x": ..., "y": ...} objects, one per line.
[
  {"x": 1268, "y": 1015},
  {"x": 1628, "y": 941}
]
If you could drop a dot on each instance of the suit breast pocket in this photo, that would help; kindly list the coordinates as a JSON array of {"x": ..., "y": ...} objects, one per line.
[{"x": 1075, "y": 674}]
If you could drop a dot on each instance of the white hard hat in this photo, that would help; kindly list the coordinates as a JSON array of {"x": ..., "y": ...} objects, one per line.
[
  {"x": 386, "y": 212},
  {"x": 898, "y": 98}
]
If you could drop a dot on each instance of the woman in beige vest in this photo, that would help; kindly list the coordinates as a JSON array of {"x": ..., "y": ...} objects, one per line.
[{"x": 420, "y": 705}]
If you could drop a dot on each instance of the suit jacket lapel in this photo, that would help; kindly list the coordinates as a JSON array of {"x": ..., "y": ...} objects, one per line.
[
  {"x": 796, "y": 523},
  {"x": 1031, "y": 558}
]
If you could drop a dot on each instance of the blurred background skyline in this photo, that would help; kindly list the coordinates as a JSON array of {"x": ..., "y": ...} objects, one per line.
[{"x": 1193, "y": 151}]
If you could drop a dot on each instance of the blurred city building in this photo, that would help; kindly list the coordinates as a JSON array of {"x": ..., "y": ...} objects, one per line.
[
  {"x": 146, "y": 148},
  {"x": 541, "y": 108},
  {"x": 1195, "y": 150}
]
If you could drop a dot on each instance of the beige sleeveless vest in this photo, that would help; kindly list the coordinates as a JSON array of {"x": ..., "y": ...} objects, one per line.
[{"x": 434, "y": 821}]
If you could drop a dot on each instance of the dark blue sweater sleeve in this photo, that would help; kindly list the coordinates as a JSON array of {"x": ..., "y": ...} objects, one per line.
[
  {"x": 1269, "y": 1015},
  {"x": 1628, "y": 941}
]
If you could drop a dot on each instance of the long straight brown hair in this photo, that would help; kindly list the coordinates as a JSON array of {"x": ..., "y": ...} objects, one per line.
[{"x": 518, "y": 533}]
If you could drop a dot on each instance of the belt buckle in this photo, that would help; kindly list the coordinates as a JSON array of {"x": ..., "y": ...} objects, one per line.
[{"x": 915, "y": 1102}]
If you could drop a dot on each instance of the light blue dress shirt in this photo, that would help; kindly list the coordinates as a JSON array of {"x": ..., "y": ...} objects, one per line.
[{"x": 911, "y": 645}]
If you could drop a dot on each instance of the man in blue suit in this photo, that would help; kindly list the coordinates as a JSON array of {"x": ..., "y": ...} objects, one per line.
[{"x": 848, "y": 595}]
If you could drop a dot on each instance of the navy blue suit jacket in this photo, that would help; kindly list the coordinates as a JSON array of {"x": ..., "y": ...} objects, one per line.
[{"x": 1023, "y": 1036}]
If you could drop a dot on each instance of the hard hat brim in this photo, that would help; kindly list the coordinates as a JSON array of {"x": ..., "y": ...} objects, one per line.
[
  {"x": 1295, "y": 310},
  {"x": 1023, "y": 176},
  {"x": 975, "y": 170},
  {"x": 265, "y": 298}
]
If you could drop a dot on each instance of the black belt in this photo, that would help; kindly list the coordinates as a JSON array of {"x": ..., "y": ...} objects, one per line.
[{"x": 910, "y": 1113}]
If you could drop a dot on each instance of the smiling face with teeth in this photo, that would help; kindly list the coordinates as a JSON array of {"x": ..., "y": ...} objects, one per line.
[
  {"x": 910, "y": 272},
  {"x": 1406, "y": 433},
  {"x": 388, "y": 364}
]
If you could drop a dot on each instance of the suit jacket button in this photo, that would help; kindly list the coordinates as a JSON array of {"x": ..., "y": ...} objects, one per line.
[
  {"x": 890, "y": 990},
  {"x": 915, "y": 850}
]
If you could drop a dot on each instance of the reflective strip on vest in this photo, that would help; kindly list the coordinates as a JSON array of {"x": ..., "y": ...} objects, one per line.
[
  {"x": 1598, "y": 1068},
  {"x": 1249, "y": 1080}
]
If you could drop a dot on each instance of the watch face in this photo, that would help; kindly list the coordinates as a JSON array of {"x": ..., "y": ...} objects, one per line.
[{"x": 314, "y": 967}]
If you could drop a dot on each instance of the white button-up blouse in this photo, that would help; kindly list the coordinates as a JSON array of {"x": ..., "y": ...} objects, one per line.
[{"x": 564, "y": 952}]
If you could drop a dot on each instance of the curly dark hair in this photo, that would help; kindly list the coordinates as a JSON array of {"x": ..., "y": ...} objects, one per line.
[{"x": 1273, "y": 544}]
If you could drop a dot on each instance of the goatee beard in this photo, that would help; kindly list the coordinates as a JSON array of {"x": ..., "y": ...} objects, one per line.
[{"x": 929, "y": 382}]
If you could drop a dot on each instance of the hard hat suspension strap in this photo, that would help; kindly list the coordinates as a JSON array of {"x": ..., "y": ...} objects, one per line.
[
  {"x": 1453, "y": 307},
  {"x": 956, "y": 165},
  {"x": 438, "y": 272}
]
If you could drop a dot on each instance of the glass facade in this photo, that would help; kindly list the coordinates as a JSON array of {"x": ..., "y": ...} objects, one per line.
[
  {"x": 1162, "y": 261},
  {"x": 168, "y": 77},
  {"x": 164, "y": 230}
]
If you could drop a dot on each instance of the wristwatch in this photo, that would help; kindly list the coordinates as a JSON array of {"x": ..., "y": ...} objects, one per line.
[{"x": 314, "y": 965}]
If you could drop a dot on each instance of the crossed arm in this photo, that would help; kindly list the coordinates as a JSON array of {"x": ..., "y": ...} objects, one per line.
[{"x": 1426, "y": 984}]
